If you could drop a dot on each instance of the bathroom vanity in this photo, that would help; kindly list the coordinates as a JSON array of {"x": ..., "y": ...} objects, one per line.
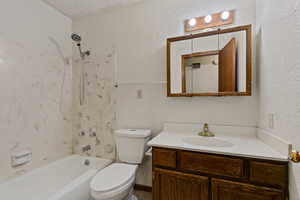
[
  {"x": 188, "y": 175},
  {"x": 247, "y": 170}
]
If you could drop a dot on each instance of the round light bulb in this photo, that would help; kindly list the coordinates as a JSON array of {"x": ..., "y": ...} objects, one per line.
[
  {"x": 208, "y": 19},
  {"x": 225, "y": 15},
  {"x": 192, "y": 22}
]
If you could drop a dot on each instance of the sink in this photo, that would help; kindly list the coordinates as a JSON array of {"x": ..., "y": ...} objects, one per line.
[{"x": 207, "y": 141}]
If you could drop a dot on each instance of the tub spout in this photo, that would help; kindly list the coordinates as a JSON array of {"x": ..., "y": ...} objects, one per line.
[{"x": 87, "y": 162}]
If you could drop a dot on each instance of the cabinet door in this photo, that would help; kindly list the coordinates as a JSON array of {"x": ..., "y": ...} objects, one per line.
[
  {"x": 227, "y": 67},
  {"x": 228, "y": 190},
  {"x": 170, "y": 185}
]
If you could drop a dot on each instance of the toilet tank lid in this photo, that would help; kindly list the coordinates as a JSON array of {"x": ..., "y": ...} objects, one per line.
[{"x": 134, "y": 133}]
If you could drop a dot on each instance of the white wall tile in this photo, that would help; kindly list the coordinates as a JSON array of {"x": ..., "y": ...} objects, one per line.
[{"x": 35, "y": 104}]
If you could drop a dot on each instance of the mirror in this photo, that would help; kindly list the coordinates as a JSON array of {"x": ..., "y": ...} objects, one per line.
[{"x": 217, "y": 63}]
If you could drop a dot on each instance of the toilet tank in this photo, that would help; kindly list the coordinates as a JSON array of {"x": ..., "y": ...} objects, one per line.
[{"x": 132, "y": 144}]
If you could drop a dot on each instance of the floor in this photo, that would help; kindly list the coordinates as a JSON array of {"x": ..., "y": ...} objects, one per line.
[{"x": 143, "y": 195}]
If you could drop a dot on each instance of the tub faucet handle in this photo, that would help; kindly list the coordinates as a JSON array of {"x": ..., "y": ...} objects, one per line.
[{"x": 86, "y": 148}]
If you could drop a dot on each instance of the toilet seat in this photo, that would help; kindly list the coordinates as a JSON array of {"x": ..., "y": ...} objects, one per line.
[{"x": 113, "y": 181}]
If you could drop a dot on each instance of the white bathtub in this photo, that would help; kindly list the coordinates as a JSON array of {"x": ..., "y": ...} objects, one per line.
[{"x": 66, "y": 179}]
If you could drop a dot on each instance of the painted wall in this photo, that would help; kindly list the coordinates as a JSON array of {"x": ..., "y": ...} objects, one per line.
[
  {"x": 278, "y": 43},
  {"x": 35, "y": 84},
  {"x": 134, "y": 38},
  {"x": 205, "y": 78}
]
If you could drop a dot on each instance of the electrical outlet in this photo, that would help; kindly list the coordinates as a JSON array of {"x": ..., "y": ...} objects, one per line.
[{"x": 271, "y": 121}]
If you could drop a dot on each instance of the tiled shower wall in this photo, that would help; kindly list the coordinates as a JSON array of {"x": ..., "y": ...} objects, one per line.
[
  {"x": 94, "y": 118},
  {"x": 35, "y": 84}
]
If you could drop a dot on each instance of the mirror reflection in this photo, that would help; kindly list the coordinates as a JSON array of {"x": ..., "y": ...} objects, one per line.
[
  {"x": 200, "y": 72},
  {"x": 211, "y": 65}
]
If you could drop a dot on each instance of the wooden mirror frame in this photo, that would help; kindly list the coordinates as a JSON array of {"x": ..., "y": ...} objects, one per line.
[{"x": 247, "y": 28}]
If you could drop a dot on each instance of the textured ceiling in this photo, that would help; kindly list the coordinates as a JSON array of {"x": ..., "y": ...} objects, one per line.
[{"x": 79, "y": 8}]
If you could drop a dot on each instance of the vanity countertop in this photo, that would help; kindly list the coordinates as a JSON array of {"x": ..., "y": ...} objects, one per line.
[{"x": 243, "y": 145}]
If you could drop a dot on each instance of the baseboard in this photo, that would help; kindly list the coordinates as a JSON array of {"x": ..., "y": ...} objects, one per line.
[{"x": 143, "y": 188}]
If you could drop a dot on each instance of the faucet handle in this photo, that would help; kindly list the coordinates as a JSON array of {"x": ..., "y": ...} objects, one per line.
[
  {"x": 206, "y": 132},
  {"x": 86, "y": 148}
]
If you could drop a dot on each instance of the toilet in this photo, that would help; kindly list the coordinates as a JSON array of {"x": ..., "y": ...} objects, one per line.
[{"x": 116, "y": 181}]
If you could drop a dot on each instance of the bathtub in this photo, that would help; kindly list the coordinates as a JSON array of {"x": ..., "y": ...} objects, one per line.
[{"x": 66, "y": 179}]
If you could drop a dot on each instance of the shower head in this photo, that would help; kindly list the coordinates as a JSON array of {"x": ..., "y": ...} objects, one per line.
[{"x": 76, "y": 37}]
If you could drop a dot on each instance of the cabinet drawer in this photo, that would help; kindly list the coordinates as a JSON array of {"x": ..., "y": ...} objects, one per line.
[
  {"x": 165, "y": 158},
  {"x": 211, "y": 164},
  {"x": 266, "y": 173}
]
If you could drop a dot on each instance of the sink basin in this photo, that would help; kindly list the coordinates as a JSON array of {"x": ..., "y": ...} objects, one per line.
[{"x": 207, "y": 141}]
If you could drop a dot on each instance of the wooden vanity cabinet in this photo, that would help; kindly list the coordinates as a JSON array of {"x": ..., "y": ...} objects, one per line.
[{"x": 185, "y": 175}]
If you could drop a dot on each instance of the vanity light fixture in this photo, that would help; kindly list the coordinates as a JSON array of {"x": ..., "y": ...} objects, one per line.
[
  {"x": 225, "y": 15},
  {"x": 192, "y": 22},
  {"x": 208, "y": 19}
]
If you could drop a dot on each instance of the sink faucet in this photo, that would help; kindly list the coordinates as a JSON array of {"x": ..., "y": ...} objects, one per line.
[{"x": 206, "y": 132}]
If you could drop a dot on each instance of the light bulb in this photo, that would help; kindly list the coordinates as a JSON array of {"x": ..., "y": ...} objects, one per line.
[
  {"x": 208, "y": 19},
  {"x": 192, "y": 22},
  {"x": 225, "y": 15}
]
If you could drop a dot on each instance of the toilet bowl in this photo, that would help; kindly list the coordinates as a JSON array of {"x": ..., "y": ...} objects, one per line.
[{"x": 116, "y": 181}]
